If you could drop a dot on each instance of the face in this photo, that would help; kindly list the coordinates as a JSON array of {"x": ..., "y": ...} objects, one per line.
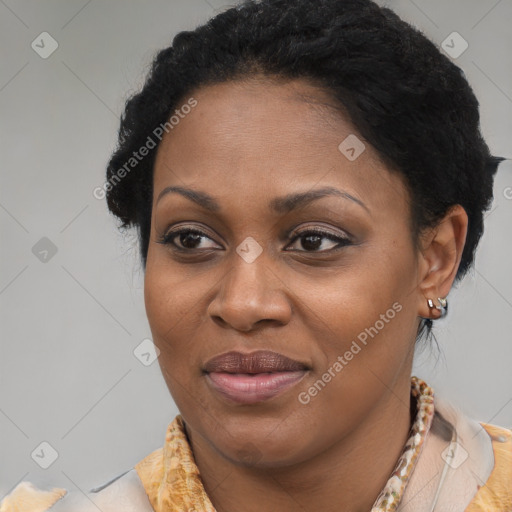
[{"x": 281, "y": 277}]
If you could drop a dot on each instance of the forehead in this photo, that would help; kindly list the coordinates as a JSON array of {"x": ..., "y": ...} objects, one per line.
[{"x": 253, "y": 136}]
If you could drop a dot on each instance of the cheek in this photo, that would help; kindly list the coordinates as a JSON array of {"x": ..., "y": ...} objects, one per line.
[
  {"x": 366, "y": 349},
  {"x": 167, "y": 311},
  {"x": 171, "y": 320},
  {"x": 168, "y": 299},
  {"x": 175, "y": 308},
  {"x": 366, "y": 316}
]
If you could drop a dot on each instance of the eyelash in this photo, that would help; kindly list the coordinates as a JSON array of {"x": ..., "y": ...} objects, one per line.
[{"x": 168, "y": 239}]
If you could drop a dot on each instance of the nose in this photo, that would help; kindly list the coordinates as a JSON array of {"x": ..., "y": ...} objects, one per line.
[{"x": 250, "y": 295}]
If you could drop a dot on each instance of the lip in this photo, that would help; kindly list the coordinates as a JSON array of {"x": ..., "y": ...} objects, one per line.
[
  {"x": 254, "y": 377},
  {"x": 261, "y": 361}
]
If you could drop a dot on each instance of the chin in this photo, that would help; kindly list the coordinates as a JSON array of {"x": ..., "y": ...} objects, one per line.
[{"x": 262, "y": 442}]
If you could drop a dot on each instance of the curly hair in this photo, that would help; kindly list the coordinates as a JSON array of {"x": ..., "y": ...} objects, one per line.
[{"x": 405, "y": 97}]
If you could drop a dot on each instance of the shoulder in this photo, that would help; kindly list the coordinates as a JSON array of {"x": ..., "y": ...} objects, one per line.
[
  {"x": 495, "y": 495},
  {"x": 485, "y": 461},
  {"x": 124, "y": 492},
  {"x": 27, "y": 497},
  {"x": 465, "y": 465}
]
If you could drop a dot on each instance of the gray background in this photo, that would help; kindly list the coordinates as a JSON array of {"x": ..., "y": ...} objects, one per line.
[{"x": 69, "y": 326}]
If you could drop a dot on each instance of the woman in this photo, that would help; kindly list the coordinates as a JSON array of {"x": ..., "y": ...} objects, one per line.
[{"x": 308, "y": 181}]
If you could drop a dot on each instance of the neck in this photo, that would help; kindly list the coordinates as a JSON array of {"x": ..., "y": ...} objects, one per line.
[{"x": 347, "y": 476}]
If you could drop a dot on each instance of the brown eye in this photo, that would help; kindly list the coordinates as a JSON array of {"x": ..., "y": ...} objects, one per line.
[
  {"x": 186, "y": 239},
  {"x": 315, "y": 241}
]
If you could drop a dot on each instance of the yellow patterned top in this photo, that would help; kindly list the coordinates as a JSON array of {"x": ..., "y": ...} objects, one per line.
[
  {"x": 496, "y": 494},
  {"x": 172, "y": 482},
  {"x": 168, "y": 479}
]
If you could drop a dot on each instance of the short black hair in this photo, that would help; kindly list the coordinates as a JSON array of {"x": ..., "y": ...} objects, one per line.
[{"x": 405, "y": 97}]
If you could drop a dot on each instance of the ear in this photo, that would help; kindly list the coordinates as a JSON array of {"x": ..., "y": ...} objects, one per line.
[{"x": 441, "y": 252}]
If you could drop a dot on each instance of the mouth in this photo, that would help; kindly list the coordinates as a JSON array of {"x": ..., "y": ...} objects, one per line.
[{"x": 254, "y": 377}]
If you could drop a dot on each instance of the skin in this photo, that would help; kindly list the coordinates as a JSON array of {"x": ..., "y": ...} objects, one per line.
[{"x": 245, "y": 143}]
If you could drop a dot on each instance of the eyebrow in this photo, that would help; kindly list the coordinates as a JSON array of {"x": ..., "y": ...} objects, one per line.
[{"x": 281, "y": 205}]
